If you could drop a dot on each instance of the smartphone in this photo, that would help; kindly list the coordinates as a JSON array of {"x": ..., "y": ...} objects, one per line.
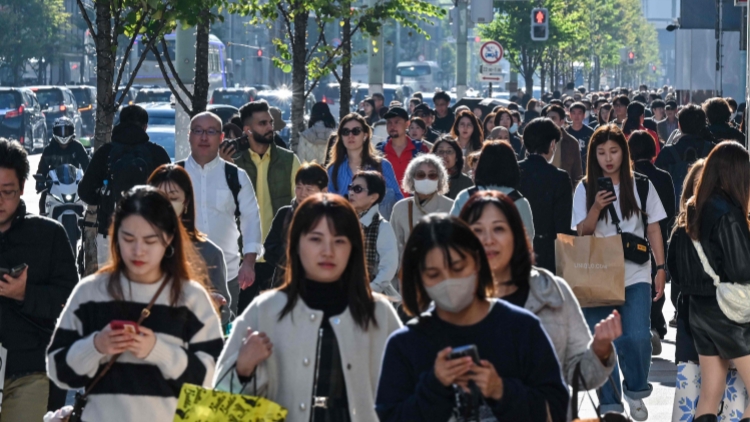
[
  {"x": 463, "y": 351},
  {"x": 14, "y": 272},
  {"x": 605, "y": 184},
  {"x": 128, "y": 326}
]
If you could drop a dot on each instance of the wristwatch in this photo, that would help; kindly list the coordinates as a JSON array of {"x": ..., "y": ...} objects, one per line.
[{"x": 661, "y": 267}]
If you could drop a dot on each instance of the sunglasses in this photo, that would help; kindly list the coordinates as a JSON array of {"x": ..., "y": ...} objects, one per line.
[
  {"x": 356, "y": 131},
  {"x": 356, "y": 188},
  {"x": 422, "y": 175}
]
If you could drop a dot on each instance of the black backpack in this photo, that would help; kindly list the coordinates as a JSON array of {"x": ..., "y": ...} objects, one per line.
[
  {"x": 679, "y": 169},
  {"x": 514, "y": 195},
  {"x": 231, "y": 173},
  {"x": 127, "y": 166}
]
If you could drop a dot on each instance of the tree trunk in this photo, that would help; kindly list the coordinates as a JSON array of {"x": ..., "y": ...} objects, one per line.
[
  {"x": 200, "y": 81},
  {"x": 299, "y": 75},
  {"x": 529, "y": 78},
  {"x": 542, "y": 77},
  {"x": 105, "y": 74},
  {"x": 345, "y": 87}
]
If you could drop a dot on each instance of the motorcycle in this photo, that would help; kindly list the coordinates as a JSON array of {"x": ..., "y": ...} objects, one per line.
[{"x": 62, "y": 202}]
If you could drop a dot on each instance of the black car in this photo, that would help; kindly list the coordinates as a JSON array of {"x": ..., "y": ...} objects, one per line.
[
  {"x": 153, "y": 95},
  {"x": 236, "y": 97},
  {"x": 56, "y": 102},
  {"x": 86, "y": 98},
  {"x": 21, "y": 118}
]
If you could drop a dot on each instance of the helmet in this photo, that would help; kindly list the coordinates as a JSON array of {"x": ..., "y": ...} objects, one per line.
[{"x": 63, "y": 130}]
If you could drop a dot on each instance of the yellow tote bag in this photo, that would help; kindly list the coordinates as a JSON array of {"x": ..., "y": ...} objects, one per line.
[{"x": 198, "y": 404}]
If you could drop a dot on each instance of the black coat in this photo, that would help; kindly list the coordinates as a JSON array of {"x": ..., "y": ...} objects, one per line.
[
  {"x": 275, "y": 243},
  {"x": 724, "y": 132},
  {"x": 26, "y": 327},
  {"x": 547, "y": 189},
  {"x": 662, "y": 182},
  {"x": 54, "y": 155}
]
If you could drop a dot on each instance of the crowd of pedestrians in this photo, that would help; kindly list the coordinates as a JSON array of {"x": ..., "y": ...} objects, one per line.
[{"x": 418, "y": 278}]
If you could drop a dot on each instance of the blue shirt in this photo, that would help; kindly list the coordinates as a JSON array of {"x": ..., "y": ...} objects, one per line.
[{"x": 392, "y": 190}]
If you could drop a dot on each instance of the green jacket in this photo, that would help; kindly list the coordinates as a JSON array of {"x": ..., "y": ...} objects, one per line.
[{"x": 279, "y": 174}]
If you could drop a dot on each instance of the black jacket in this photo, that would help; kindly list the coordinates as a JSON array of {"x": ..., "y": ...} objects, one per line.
[
  {"x": 444, "y": 124},
  {"x": 26, "y": 327},
  {"x": 662, "y": 182},
  {"x": 547, "y": 189},
  {"x": 724, "y": 132},
  {"x": 93, "y": 180},
  {"x": 275, "y": 243},
  {"x": 55, "y": 155},
  {"x": 725, "y": 239}
]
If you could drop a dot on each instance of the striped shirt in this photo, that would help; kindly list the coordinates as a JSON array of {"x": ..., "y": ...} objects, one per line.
[{"x": 188, "y": 342}]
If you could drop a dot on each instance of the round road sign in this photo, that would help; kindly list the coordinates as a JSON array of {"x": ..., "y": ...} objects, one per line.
[{"x": 491, "y": 52}]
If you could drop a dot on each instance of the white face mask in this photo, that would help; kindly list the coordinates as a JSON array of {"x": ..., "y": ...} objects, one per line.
[
  {"x": 426, "y": 186},
  {"x": 539, "y": 109},
  {"x": 513, "y": 128},
  {"x": 453, "y": 294},
  {"x": 179, "y": 207}
]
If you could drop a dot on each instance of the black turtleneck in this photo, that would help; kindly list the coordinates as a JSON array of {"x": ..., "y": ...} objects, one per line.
[{"x": 330, "y": 298}]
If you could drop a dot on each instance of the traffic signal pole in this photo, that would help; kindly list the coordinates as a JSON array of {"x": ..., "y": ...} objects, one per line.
[
  {"x": 375, "y": 61},
  {"x": 462, "y": 60}
]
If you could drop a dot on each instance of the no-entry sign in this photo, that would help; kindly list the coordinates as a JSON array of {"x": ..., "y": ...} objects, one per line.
[{"x": 491, "y": 52}]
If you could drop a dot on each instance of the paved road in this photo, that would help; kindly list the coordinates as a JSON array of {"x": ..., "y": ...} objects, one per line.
[{"x": 663, "y": 369}]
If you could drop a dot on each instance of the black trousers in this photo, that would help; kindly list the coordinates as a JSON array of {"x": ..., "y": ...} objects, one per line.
[{"x": 263, "y": 281}]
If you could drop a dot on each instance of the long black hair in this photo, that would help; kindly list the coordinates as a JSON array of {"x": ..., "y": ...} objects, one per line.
[
  {"x": 321, "y": 112},
  {"x": 636, "y": 110}
]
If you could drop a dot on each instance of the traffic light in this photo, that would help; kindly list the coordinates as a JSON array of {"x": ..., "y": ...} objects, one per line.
[
  {"x": 539, "y": 24},
  {"x": 260, "y": 54},
  {"x": 631, "y": 57},
  {"x": 653, "y": 69}
]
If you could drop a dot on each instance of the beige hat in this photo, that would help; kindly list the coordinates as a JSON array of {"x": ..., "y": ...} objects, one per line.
[{"x": 278, "y": 121}]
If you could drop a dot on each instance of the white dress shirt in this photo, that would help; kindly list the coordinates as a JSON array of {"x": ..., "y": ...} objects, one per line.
[{"x": 214, "y": 211}]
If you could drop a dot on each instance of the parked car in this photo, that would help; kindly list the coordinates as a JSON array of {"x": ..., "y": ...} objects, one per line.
[
  {"x": 164, "y": 136},
  {"x": 21, "y": 118},
  {"x": 163, "y": 114},
  {"x": 225, "y": 112},
  {"x": 153, "y": 95},
  {"x": 236, "y": 97},
  {"x": 390, "y": 92},
  {"x": 86, "y": 98},
  {"x": 56, "y": 102},
  {"x": 129, "y": 96}
]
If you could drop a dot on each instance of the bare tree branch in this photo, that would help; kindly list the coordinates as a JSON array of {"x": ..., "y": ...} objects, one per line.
[
  {"x": 172, "y": 69},
  {"x": 86, "y": 18},
  {"x": 287, "y": 21},
  {"x": 330, "y": 59},
  {"x": 176, "y": 94},
  {"x": 138, "y": 66},
  {"x": 321, "y": 31},
  {"x": 125, "y": 56}
]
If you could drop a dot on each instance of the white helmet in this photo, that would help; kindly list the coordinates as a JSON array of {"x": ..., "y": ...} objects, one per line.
[{"x": 63, "y": 130}]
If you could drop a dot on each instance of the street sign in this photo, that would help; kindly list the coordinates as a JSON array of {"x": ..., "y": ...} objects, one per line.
[
  {"x": 420, "y": 58},
  {"x": 491, "y": 52},
  {"x": 742, "y": 3},
  {"x": 490, "y": 73}
]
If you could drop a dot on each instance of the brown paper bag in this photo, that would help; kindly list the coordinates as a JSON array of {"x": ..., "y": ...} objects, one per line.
[{"x": 594, "y": 268}]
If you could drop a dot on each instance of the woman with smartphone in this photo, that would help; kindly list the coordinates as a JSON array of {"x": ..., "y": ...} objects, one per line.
[
  {"x": 495, "y": 220},
  {"x": 139, "y": 367},
  {"x": 315, "y": 344},
  {"x": 469, "y": 356},
  {"x": 611, "y": 189}
]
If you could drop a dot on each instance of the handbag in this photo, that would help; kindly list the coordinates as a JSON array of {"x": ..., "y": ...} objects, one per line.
[
  {"x": 733, "y": 298},
  {"x": 198, "y": 404},
  {"x": 607, "y": 417},
  {"x": 81, "y": 399},
  {"x": 635, "y": 248}
]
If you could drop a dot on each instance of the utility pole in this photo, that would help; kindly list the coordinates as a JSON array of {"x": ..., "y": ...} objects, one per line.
[
  {"x": 375, "y": 61},
  {"x": 185, "y": 66},
  {"x": 461, "y": 48}
]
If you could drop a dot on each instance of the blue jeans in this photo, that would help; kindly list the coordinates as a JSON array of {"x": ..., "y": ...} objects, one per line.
[{"x": 633, "y": 347}]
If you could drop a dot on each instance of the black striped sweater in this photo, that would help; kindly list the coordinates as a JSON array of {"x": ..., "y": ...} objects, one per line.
[{"x": 188, "y": 342}]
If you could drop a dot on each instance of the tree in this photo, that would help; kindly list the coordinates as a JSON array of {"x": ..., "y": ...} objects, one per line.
[
  {"x": 311, "y": 62},
  {"x": 28, "y": 28}
]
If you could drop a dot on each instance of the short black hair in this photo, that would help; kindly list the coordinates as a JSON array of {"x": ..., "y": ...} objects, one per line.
[
  {"x": 312, "y": 174},
  {"x": 247, "y": 110},
  {"x": 442, "y": 95},
  {"x": 513, "y": 106},
  {"x": 419, "y": 95},
  {"x": 378, "y": 95},
  {"x": 717, "y": 110},
  {"x": 374, "y": 181},
  {"x": 13, "y": 156},
  {"x": 622, "y": 99},
  {"x": 134, "y": 114},
  {"x": 640, "y": 98},
  {"x": 415, "y": 101},
  {"x": 578, "y": 105},
  {"x": 556, "y": 101},
  {"x": 539, "y": 134},
  {"x": 555, "y": 109},
  {"x": 692, "y": 119},
  {"x": 642, "y": 145},
  {"x": 658, "y": 104},
  {"x": 497, "y": 166}
]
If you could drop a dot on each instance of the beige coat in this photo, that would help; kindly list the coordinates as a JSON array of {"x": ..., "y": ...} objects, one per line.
[
  {"x": 400, "y": 216},
  {"x": 287, "y": 376}
]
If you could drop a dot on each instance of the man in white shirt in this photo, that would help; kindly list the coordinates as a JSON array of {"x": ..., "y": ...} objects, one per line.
[{"x": 215, "y": 204}]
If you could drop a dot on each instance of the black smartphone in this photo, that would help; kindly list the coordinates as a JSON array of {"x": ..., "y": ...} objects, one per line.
[
  {"x": 13, "y": 272},
  {"x": 605, "y": 184},
  {"x": 463, "y": 351}
]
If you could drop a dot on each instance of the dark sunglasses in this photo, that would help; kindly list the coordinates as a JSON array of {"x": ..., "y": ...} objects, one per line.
[
  {"x": 356, "y": 188},
  {"x": 356, "y": 131},
  {"x": 421, "y": 176}
]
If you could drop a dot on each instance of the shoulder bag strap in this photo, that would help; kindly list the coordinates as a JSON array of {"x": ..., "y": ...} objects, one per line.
[
  {"x": 642, "y": 187},
  {"x": 704, "y": 261},
  {"x": 144, "y": 314},
  {"x": 411, "y": 216}
]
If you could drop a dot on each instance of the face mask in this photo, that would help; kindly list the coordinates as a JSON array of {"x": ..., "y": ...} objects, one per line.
[
  {"x": 539, "y": 109},
  {"x": 454, "y": 294},
  {"x": 513, "y": 128},
  {"x": 426, "y": 186},
  {"x": 179, "y": 207}
]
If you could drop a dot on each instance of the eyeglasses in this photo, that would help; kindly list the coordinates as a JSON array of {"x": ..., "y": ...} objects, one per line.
[
  {"x": 356, "y": 131},
  {"x": 357, "y": 188},
  {"x": 421, "y": 176},
  {"x": 201, "y": 131},
  {"x": 7, "y": 195},
  {"x": 447, "y": 151}
]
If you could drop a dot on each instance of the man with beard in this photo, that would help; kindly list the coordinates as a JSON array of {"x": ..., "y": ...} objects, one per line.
[
  {"x": 222, "y": 194},
  {"x": 271, "y": 170},
  {"x": 399, "y": 148}
]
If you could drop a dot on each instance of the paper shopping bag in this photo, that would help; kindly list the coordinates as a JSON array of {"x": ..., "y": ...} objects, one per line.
[
  {"x": 198, "y": 404},
  {"x": 594, "y": 268}
]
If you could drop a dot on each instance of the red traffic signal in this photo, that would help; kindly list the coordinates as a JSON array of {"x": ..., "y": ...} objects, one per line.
[
  {"x": 631, "y": 55},
  {"x": 540, "y": 17},
  {"x": 260, "y": 54}
]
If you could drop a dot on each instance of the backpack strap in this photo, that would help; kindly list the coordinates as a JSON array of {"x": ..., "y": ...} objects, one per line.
[
  {"x": 411, "y": 215},
  {"x": 231, "y": 172},
  {"x": 180, "y": 163},
  {"x": 515, "y": 195},
  {"x": 642, "y": 186}
]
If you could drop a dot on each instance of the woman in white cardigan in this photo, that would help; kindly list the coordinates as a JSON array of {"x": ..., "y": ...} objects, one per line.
[{"x": 315, "y": 344}]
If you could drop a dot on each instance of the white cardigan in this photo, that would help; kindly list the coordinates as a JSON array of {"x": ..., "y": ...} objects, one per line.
[{"x": 287, "y": 376}]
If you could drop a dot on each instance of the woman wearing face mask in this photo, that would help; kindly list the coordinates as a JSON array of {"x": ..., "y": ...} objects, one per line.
[
  {"x": 504, "y": 118},
  {"x": 517, "y": 377},
  {"x": 639, "y": 210},
  {"x": 515, "y": 128},
  {"x": 175, "y": 182},
  {"x": 427, "y": 180},
  {"x": 453, "y": 160},
  {"x": 353, "y": 151},
  {"x": 498, "y": 170},
  {"x": 468, "y": 132},
  {"x": 494, "y": 218},
  {"x": 315, "y": 344},
  {"x": 177, "y": 342},
  {"x": 365, "y": 194}
]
